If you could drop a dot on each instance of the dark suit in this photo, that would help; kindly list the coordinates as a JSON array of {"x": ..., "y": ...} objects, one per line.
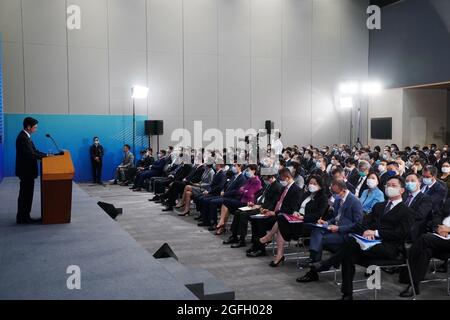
[
  {"x": 314, "y": 210},
  {"x": 290, "y": 204},
  {"x": 210, "y": 203},
  {"x": 96, "y": 151},
  {"x": 267, "y": 199},
  {"x": 437, "y": 192},
  {"x": 393, "y": 228},
  {"x": 422, "y": 207},
  {"x": 345, "y": 216},
  {"x": 27, "y": 157},
  {"x": 155, "y": 170},
  {"x": 355, "y": 181},
  {"x": 428, "y": 246},
  {"x": 178, "y": 174}
]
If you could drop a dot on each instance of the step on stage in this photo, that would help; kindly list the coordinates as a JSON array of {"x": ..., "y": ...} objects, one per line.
[{"x": 34, "y": 259}]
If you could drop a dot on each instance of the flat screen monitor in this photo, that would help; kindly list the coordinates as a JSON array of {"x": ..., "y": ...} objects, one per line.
[{"x": 381, "y": 128}]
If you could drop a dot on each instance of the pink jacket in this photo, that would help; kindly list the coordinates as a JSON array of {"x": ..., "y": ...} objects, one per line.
[{"x": 250, "y": 189}]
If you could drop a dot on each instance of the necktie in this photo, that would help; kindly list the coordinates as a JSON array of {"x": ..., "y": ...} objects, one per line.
[
  {"x": 280, "y": 202},
  {"x": 409, "y": 199},
  {"x": 338, "y": 217},
  {"x": 388, "y": 207}
]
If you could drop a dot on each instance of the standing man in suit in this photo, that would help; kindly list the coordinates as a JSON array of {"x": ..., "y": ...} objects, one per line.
[
  {"x": 346, "y": 214},
  {"x": 96, "y": 153},
  {"x": 390, "y": 222},
  {"x": 27, "y": 157}
]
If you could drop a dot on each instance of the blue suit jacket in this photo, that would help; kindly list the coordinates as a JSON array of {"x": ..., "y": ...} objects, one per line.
[
  {"x": 158, "y": 165},
  {"x": 351, "y": 213},
  {"x": 232, "y": 189}
]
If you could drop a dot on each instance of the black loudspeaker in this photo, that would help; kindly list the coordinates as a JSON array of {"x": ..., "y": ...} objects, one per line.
[
  {"x": 154, "y": 127},
  {"x": 269, "y": 126},
  {"x": 164, "y": 252},
  {"x": 112, "y": 211}
]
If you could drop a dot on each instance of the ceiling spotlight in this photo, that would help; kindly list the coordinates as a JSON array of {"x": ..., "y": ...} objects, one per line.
[
  {"x": 139, "y": 92},
  {"x": 370, "y": 88},
  {"x": 349, "y": 87}
]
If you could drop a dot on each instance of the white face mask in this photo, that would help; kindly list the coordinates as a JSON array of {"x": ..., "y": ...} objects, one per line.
[
  {"x": 445, "y": 169},
  {"x": 283, "y": 183},
  {"x": 313, "y": 188},
  {"x": 427, "y": 181},
  {"x": 372, "y": 183},
  {"x": 392, "y": 192},
  {"x": 381, "y": 168}
]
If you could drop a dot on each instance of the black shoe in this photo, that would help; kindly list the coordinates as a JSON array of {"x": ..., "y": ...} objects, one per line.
[
  {"x": 167, "y": 209},
  {"x": 137, "y": 189},
  {"x": 348, "y": 297},
  {"x": 310, "y": 276},
  {"x": 28, "y": 221},
  {"x": 202, "y": 224},
  {"x": 252, "y": 249},
  {"x": 319, "y": 266},
  {"x": 231, "y": 240},
  {"x": 154, "y": 198},
  {"x": 114, "y": 182},
  {"x": 198, "y": 218},
  {"x": 274, "y": 264},
  {"x": 212, "y": 228},
  {"x": 125, "y": 183},
  {"x": 240, "y": 244},
  {"x": 408, "y": 292},
  {"x": 257, "y": 253}
]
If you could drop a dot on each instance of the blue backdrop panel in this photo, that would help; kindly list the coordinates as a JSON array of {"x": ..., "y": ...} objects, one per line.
[
  {"x": 1, "y": 114},
  {"x": 75, "y": 133}
]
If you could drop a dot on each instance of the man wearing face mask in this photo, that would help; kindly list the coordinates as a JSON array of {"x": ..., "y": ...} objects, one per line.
[
  {"x": 436, "y": 190},
  {"x": 350, "y": 168},
  {"x": 359, "y": 179},
  {"x": 347, "y": 212},
  {"x": 96, "y": 153},
  {"x": 419, "y": 202},
  {"x": 155, "y": 170},
  {"x": 390, "y": 221},
  {"x": 308, "y": 161}
]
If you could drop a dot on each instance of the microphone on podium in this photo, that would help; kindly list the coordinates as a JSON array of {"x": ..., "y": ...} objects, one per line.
[{"x": 60, "y": 153}]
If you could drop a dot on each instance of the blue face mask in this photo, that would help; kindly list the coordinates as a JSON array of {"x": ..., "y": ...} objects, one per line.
[
  {"x": 391, "y": 173},
  {"x": 234, "y": 170},
  {"x": 411, "y": 186},
  {"x": 362, "y": 173},
  {"x": 249, "y": 174},
  {"x": 336, "y": 197},
  {"x": 377, "y": 162}
]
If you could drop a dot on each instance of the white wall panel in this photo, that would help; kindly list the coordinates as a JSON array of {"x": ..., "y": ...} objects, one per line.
[
  {"x": 13, "y": 84},
  {"x": 10, "y": 20},
  {"x": 266, "y": 26},
  {"x": 234, "y": 27}
]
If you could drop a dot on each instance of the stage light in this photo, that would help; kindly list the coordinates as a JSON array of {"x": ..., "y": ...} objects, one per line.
[
  {"x": 139, "y": 92},
  {"x": 349, "y": 87},
  {"x": 346, "y": 102},
  {"x": 370, "y": 88}
]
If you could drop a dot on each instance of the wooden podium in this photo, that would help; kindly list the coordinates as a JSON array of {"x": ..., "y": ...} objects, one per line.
[{"x": 56, "y": 188}]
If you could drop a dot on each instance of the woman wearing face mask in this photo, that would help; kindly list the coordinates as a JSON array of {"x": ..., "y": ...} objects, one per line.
[
  {"x": 313, "y": 206},
  {"x": 372, "y": 195},
  {"x": 445, "y": 175},
  {"x": 244, "y": 195},
  {"x": 296, "y": 171}
]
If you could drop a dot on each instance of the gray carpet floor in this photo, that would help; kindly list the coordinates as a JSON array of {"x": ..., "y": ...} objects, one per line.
[{"x": 249, "y": 278}]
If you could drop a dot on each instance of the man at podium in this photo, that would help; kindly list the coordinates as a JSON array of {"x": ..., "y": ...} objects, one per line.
[{"x": 27, "y": 157}]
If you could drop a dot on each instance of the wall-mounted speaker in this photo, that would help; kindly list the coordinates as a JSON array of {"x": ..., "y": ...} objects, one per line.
[{"x": 154, "y": 127}]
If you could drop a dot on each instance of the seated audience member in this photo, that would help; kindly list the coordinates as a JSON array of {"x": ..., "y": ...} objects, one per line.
[
  {"x": 313, "y": 206},
  {"x": 127, "y": 163},
  {"x": 429, "y": 245},
  {"x": 445, "y": 175},
  {"x": 419, "y": 203},
  {"x": 350, "y": 168},
  {"x": 308, "y": 162},
  {"x": 435, "y": 189},
  {"x": 155, "y": 170},
  {"x": 347, "y": 213},
  {"x": 339, "y": 174},
  {"x": 389, "y": 222},
  {"x": 208, "y": 203},
  {"x": 374, "y": 160},
  {"x": 298, "y": 173},
  {"x": 176, "y": 188},
  {"x": 265, "y": 202},
  {"x": 287, "y": 203},
  {"x": 143, "y": 164},
  {"x": 335, "y": 162},
  {"x": 438, "y": 159},
  {"x": 248, "y": 197},
  {"x": 196, "y": 189},
  {"x": 359, "y": 179},
  {"x": 418, "y": 166},
  {"x": 372, "y": 194}
]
